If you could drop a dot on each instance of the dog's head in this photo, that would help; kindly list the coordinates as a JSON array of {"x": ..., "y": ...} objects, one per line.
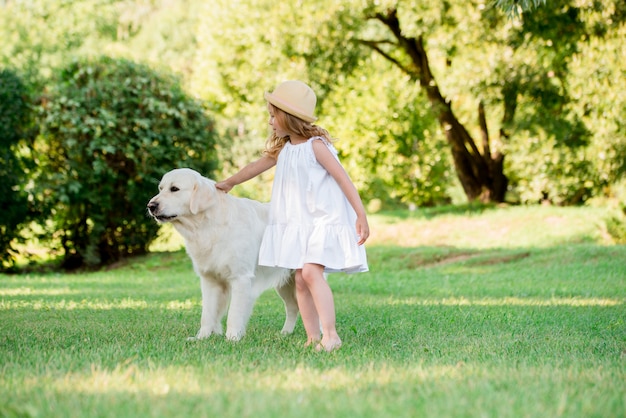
[{"x": 182, "y": 192}]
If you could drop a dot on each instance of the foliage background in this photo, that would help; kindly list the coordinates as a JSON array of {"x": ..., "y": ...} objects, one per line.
[
  {"x": 559, "y": 67},
  {"x": 229, "y": 52}
]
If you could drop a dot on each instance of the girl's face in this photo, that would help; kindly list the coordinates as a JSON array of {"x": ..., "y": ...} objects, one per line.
[{"x": 276, "y": 120}]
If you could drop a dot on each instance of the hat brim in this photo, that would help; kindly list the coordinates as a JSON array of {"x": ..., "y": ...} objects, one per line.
[{"x": 289, "y": 108}]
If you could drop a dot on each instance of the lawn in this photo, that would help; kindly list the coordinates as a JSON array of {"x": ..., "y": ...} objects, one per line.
[{"x": 503, "y": 312}]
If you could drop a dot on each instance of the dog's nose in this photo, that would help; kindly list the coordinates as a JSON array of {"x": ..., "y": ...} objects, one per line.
[{"x": 153, "y": 206}]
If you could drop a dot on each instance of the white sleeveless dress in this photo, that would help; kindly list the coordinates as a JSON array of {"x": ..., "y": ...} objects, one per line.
[{"x": 311, "y": 220}]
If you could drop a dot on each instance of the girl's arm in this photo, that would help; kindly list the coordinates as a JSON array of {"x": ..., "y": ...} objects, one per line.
[
  {"x": 251, "y": 170},
  {"x": 336, "y": 170}
]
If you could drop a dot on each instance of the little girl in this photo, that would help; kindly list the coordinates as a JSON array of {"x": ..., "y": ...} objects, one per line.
[{"x": 317, "y": 221}]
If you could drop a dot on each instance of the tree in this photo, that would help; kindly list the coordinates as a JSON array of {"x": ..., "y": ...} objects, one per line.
[
  {"x": 480, "y": 172},
  {"x": 110, "y": 130},
  {"x": 479, "y": 169},
  {"x": 515, "y": 69},
  {"x": 564, "y": 133}
]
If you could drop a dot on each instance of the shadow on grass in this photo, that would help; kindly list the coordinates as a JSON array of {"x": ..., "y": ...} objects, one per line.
[{"x": 412, "y": 258}]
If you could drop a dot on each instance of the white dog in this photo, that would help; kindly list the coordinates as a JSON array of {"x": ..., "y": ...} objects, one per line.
[{"x": 222, "y": 237}]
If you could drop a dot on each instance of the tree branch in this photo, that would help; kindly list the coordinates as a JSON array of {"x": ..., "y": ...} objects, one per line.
[
  {"x": 482, "y": 121},
  {"x": 375, "y": 45}
]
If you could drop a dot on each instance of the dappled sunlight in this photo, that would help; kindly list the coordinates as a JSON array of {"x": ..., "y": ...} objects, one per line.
[
  {"x": 181, "y": 305},
  {"x": 127, "y": 378},
  {"x": 102, "y": 305},
  {"x": 132, "y": 378},
  {"x": 188, "y": 304},
  {"x": 505, "y": 301},
  {"x": 189, "y": 381},
  {"x": 305, "y": 378},
  {"x": 27, "y": 291}
]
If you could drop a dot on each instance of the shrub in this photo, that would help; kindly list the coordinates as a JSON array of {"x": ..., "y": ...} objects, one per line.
[
  {"x": 15, "y": 120},
  {"x": 616, "y": 227},
  {"x": 111, "y": 128}
]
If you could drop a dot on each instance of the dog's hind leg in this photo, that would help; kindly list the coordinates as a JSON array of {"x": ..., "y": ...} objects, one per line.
[
  {"x": 222, "y": 307},
  {"x": 288, "y": 294}
]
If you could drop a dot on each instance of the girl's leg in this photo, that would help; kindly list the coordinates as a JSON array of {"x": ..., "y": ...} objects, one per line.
[
  {"x": 308, "y": 313},
  {"x": 322, "y": 295}
]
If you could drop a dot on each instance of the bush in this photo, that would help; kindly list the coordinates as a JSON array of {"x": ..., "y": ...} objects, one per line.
[
  {"x": 15, "y": 119},
  {"x": 111, "y": 128},
  {"x": 616, "y": 227}
]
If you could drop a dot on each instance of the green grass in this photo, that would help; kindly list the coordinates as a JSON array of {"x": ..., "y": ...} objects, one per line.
[{"x": 509, "y": 312}]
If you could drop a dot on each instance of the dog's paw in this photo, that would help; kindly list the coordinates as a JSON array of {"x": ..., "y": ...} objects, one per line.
[
  {"x": 201, "y": 335},
  {"x": 196, "y": 338},
  {"x": 234, "y": 336}
]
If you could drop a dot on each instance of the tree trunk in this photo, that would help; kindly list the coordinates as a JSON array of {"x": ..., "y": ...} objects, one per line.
[{"x": 480, "y": 174}]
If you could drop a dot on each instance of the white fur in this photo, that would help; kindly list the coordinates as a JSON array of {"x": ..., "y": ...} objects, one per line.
[{"x": 222, "y": 237}]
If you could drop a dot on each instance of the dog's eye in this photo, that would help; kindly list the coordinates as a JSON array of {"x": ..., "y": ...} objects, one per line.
[{"x": 174, "y": 189}]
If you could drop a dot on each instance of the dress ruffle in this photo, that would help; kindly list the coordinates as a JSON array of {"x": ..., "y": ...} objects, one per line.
[{"x": 333, "y": 246}]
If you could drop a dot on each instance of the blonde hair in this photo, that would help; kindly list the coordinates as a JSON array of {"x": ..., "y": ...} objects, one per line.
[{"x": 293, "y": 124}]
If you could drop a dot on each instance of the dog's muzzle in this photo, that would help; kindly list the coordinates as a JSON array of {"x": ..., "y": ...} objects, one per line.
[{"x": 153, "y": 209}]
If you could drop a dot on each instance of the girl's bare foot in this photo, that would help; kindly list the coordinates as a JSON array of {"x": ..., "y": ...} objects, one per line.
[
  {"x": 328, "y": 346},
  {"x": 310, "y": 341}
]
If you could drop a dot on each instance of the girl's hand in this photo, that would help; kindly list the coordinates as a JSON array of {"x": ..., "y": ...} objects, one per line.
[
  {"x": 362, "y": 229},
  {"x": 251, "y": 170},
  {"x": 223, "y": 186}
]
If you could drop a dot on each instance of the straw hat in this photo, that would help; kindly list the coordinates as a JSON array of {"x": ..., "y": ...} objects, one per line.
[{"x": 295, "y": 98}]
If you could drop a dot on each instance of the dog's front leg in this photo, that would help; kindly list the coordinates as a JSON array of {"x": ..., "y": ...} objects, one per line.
[
  {"x": 240, "y": 310},
  {"x": 212, "y": 297}
]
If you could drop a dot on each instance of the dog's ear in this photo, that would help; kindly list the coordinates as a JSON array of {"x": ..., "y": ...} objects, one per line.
[{"x": 201, "y": 196}]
